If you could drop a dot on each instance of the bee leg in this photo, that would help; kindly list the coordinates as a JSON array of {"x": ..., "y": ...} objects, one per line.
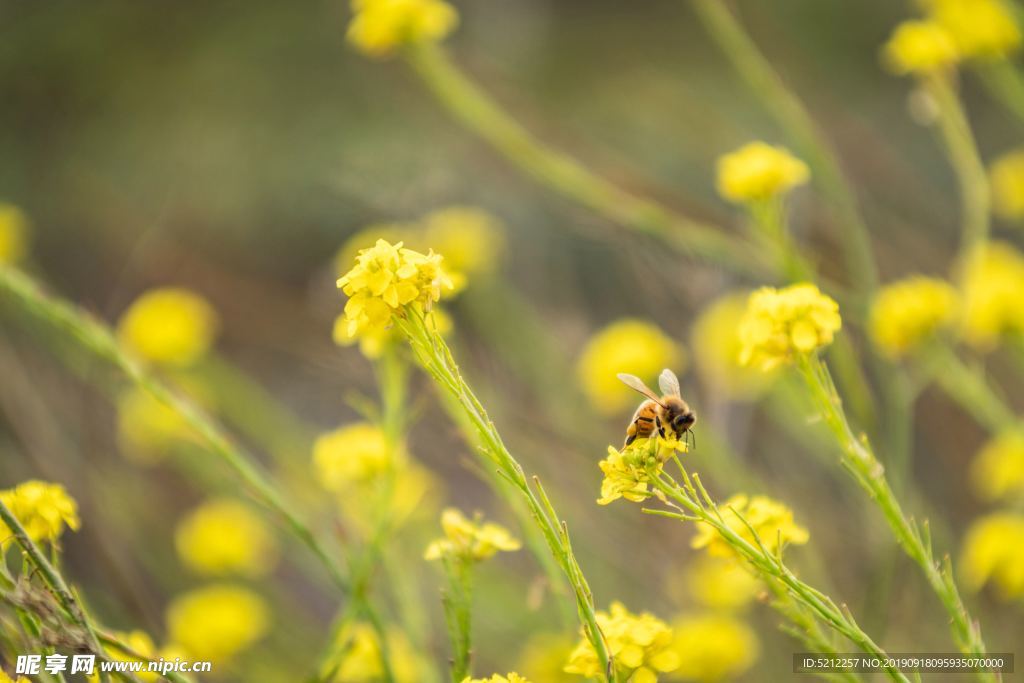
[
  {"x": 661, "y": 428},
  {"x": 630, "y": 439}
]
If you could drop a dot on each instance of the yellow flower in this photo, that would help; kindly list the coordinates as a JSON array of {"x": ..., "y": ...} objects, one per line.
[
  {"x": 1007, "y": 179},
  {"x": 782, "y": 323},
  {"x": 641, "y": 646},
  {"x": 993, "y": 551},
  {"x": 626, "y": 345},
  {"x": 224, "y": 536},
  {"x": 544, "y": 655},
  {"x": 720, "y": 583},
  {"x": 352, "y": 454},
  {"x": 982, "y": 29},
  {"x": 4, "y": 678},
  {"x": 772, "y": 521},
  {"x": 908, "y": 312},
  {"x": 991, "y": 283},
  {"x": 385, "y": 279},
  {"x": 920, "y": 47},
  {"x": 147, "y": 430},
  {"x": 373, "y": 343},
  {"x": 409, "y": 233},
  {"x": 998, "y": 470},
  {"x": 216, "y": 622},
  {"x": 470, "y": 239},
  {"x": 140, "y": 643},
  {"x": 171, "y": 325},
  {"x": 758, "y": 171},
  {"x": 362, "y": 662},
  {"x": 496, "y": 678},
  {"x": 415, "y": 491},
  {"x": 13, "y": 234},
  {"x": 716, "y": 348},
  {"x": 469, "y": 539},
  {"x": 714, "y": 647},
  {"x": 44, "y": 509},
  {"x": 627, "y": 472},
  {"x": 379, "y": 27}
]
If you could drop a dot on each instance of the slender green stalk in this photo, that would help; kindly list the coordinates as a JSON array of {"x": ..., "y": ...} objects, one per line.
[
  {"x": 859, "y": 459},
  {"x": 771, "y": 230},
  {"x": 482, "y": 115},
  {"x": 97, "y": 340},
  {"x": 970, "y": 389},
  {"x": 458, "y": 603},
  {"x": 1005, "y": 82}
]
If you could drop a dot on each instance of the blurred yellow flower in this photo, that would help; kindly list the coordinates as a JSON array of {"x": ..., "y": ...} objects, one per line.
[
  {"x": 780, "y": 324},
  {"x": 362, "y": 662},
  {"x": 496, "y": 678},
  {"x": 1006, "y": 175},
  {"x": 350, "y": 455},
  {"x": 982, "y": 29},
  {"x": 920, "y": 47},
  {"x": 386, "y": 278},
  {"x": 139, "y": 643},
  {"x": 44, "y": 509},
  {"x": 641, "y": 646},
  {"x": 544, "y": 655},
  {"x": 714, "y": 647},
  {"x": 906, "y": 313},
  {"x": 170, "y": 325},
  {"x": 379, "y": 27},
  {"x": 991, "y": 282},
  {"x": 720, "y": 583},
  {"x": 993, "y": 551},
  {"x": 147, "y": 430},
  {"x": 217, "y": 621},
  {"x": 772, "y": 521},
  {"x": 415, "y": 491},
  {"x": 469, "y": 539},
  {"x": 759, "y": 171},
  {"x": 716, "y": 348},
  {"x": 626, "y": 345},
  {"x": 471, "y": 240},
  {"x": 13, "y": 234},
  {"x": 225, "y": 536},
  {"x": 998, "y": 470}
]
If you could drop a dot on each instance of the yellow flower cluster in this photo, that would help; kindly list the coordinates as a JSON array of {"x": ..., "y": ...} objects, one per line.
[
  {"x": 470, "y": 540},
  {"x": 627, "y": 472},
  {"x": 170, "y": 325},
  {"x": 1006, "y": 176},
  {"x": 13, "y": 234},
  {"x": 496, "y": 678},
  {"x": 4, "y": 678},
  {"x": 759, "y": 171},
  {"x": 386, "y": 278},
  {"x": 919, "y": 47},
  {"x": 44, "y": 509},
  {"x": 217, "y": 621},
  {"x": 379, "y": 27},
  {"x": 352, "y": 454},
  {"x": 781, "y": 324},
  {"x": 224, "y": 536},
  {"x": 906, "y": 313},
  {"x": 140, "y": 643},
  {"x": 998, "y": 470},
  {"x": 363, "y": 661},
  {"x": 991, "y": 283},
  {"x": 641, "y": 646},
  {"x": 716, "y": 350},
  {"x": 980, "y": 29},
  {"x": 772, "y": 521},
  {"x": 713, "y": 647},
  {"x": 993, "y": 551},
  {"x": 720, "y": 583},
  {"x": 626, "y": 345}
]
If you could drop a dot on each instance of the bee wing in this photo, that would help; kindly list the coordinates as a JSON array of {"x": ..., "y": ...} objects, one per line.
[
  {"x": 669, "y": 383},
  {"x": 637, "y": 384}
]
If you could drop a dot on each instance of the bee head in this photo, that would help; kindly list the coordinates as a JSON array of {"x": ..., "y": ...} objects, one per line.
[{"x": 684, "y": 421}]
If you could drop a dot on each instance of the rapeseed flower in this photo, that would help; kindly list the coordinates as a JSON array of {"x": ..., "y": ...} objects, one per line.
[
  {"x": 921, "y": 48},
  {"x": 1006, "y": 176},
  {"x": 44, "y": 510},
  {"x": 720, "y": 583},
  {"x": 373, "y": 343},
  {"x": 713, "y": 647},
  {"x": 626, "y": 345},
  {"x": 642, "y": 647},
  {"x": 991, "y": 282},
  {"x": 353, "y": 454},
  {"x": 171, "y": 326},
  {"x": 907, "y": 313},
  {"x": 380, "y": 27},
  {"x": 759, "y": 171},
  {"x": 218, "y": 621},
  {"x": 224, "y": 536},
  {"x": 781, "y": 324},
  {"x": 772, "y": 520},
  {"x": 716, "y": 348},
  {"x": 980, "y": 29},
  {"x": 997, "y": 472},
  {"x": 363, "y": 660},
  {"x": 13, "y": 234},
  {"x": 993, "y": 552},
  {"x": 470, "y": 540},
  {"x": 627, "y": 473}
]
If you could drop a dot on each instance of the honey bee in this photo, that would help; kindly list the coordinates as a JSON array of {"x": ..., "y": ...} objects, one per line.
[{"x": 670, "y": 410}]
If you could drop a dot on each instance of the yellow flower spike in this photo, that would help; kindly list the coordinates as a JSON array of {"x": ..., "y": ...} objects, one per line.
[
  {"x": 993, "y": 552},
  {"x": 906, "y": 313},
  {"x": 626, "y": 345},
  {"x": 363, "y": 659},
  {"x": 1006, "y": 176},
  {"x": 720, "y": 583},
  {"x": 379, "y": 27},
  {"x": 920, "y": 47},
  {"x": 772, "y": 520},
  {"x": 44, "y": 509},
  {"x": 170, "y": 325},
  {"x": 990, "y": 285},
  {"x": 218, "y": 621},
  {"x": 997, "y": 472},
  {"x": 642, "y": 647},
  {"x": 627, "y": 472},
  {"x": 373, "y": 343},
  {"x": 716, "y": 348},
  {"x": 352, "y": 454},
  {"x": 408, "y": 233},
  {"x": 14, "y": 234},
  {"x": 225, "y": 536},
  {"x": 496, "y": 678},
  {"x": 714, "y": 647},
  {"x": 980, "y": 29},
  {"x": 469, "y": 539},
  {"x": 781, "y": 324},
  {"x": 759, "y": 171}
]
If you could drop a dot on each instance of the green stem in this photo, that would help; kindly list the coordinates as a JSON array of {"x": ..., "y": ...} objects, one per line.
[
  {"x": 1004, "y": 81},
  {"x": 458, "y": 604},
  {"x": 970, "y": 389}
]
